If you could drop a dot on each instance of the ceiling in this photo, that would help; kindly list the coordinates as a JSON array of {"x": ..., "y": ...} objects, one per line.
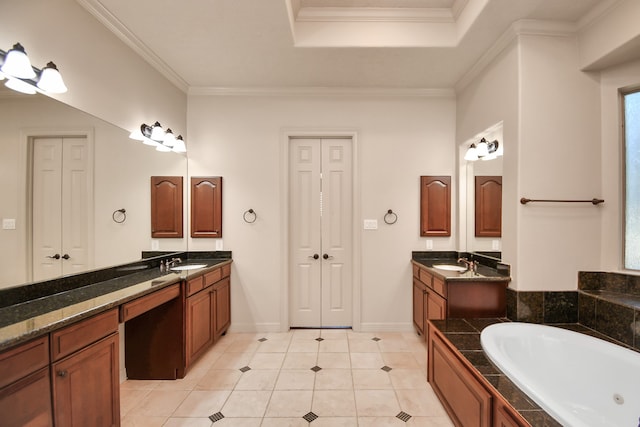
[{"x": 321, "y": 43}]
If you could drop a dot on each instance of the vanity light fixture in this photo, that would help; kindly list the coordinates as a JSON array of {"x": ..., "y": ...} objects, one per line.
[
  {"x": 485, "y": 150},
  {"x": 157, "y": 137},
  {"x": 23, "y": 77}
]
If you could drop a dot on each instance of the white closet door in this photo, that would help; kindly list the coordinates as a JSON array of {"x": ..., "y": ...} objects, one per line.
[
  {"x": 320, "y": 228},
  {"x": 60, "y": 209}
]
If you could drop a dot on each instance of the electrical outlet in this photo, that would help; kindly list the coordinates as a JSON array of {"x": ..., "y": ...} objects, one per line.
[
  {"x": 429, "y": 244},
  {"x": 8, "y": 224},
  {"x": 219, "y": 244},
  {"x": 495, "y": 245},
  {"x": 370, "y": 224},
  {"x": 155, "y": 245}
]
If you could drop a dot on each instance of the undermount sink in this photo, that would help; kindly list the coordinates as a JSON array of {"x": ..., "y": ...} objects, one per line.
[
  {"x": 450, "y": 267},
  {"x": 188, "y": 267}
]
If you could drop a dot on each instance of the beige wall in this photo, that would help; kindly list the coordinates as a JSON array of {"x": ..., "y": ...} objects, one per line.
[{"x": 398, "y": 139}]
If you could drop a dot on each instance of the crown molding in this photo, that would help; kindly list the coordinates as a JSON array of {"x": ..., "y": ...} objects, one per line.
[
  {"x": 113, "y": 24},
  {"x": 322, "y": 92},
  {"x": 525, "y": 27},
  {"x": 378, "y": 14}
]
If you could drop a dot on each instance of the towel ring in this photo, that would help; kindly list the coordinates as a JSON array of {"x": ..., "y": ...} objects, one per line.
[
  {"x": 252, "y": 216},
  {"x": 122, "y": 217},
  {"x": 390, "y": 217}
]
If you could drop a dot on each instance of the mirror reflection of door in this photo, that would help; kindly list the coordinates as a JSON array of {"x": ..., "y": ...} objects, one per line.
[
  {"x": 320, "y": 230},
  {"x": 488, "y": 206},
  {"x": 60, "y": 206}
]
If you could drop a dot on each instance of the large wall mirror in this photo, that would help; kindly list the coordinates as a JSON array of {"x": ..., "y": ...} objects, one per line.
[
  {"x": 88, "y": 169},
  {"x": 468, "y": 172}
]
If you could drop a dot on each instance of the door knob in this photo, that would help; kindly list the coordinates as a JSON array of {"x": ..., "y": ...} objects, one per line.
[
  {"x": 56, "y": 256},
  {"x": 65, "y": 256},
  {"x": 327, "y": 256},
  {"x": 315, "y": 256}
]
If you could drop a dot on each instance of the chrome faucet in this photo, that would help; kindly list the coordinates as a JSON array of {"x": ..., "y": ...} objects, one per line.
[
  {"x": 471, "y": 265},
  {"x": 173, "y": 262}
]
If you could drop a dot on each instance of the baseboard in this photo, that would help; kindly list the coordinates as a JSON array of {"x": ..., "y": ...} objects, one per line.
[
  {"x": 386, "y": 327},
  {"x": 255, "y": 327}
]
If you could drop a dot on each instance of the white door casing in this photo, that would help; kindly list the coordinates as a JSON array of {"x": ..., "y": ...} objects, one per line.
[
  {"x": 320, "y": 232},
  {"x": 60, "y": 206}
]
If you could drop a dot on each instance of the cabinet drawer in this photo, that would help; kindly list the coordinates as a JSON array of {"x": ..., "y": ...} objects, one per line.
[
  {"x": 148, "y": 302},
  {"x": 195, "y": 285},
  {"x": 212, "y": 277},
  {"x": 439, "y": 287},
  {"x": 425, "y": 277},
  {"x": 67, "y": 340},
  {"x": 24, "y": 359}
]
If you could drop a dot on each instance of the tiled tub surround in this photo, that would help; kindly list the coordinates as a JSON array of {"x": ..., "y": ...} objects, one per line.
[
  {"x": 34, "y": 309},
  {"x": 608, "y": 303}
]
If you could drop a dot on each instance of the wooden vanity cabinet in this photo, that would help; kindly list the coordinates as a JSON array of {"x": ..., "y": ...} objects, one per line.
[
  {"x": 84, "y": 372},
  {"x": 25, "y": 387},
  {"x": 207, "y": 311},
  {"x": 427, "y": 303},
  {"x": 467, "y": 397},
  {"x": 419, "y": 293}
]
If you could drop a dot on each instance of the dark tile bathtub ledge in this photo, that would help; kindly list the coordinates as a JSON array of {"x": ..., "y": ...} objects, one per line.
[{"x": 464, "y": 334}]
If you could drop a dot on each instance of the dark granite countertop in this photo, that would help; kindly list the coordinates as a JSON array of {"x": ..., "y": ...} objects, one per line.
[
  {"x": 464, "y": 334},
  {"x": 484, "y": 274},
  {"x": 51, "y": 307}
]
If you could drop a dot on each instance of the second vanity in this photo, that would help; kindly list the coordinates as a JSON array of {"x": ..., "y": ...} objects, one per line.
[
  {"x": 59, "y": 340},
  {"x": 442, "y": 293}
]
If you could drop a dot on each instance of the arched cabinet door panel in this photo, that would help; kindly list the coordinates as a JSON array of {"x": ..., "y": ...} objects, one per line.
[
  {"x": 488, "y": 215},
  {"x": 206, "y": 206},
  {"x": 166, "y": 206},
  {"x": 435, "y": 206}
]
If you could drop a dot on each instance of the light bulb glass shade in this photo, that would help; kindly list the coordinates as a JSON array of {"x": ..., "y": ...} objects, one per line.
[
  {"x": 500, "y": 150},
  {"x": 180, "y": 146},
  {"x": 490, "y": 156},
  {"x": 137, "y": 135},
  {"x": 17, "y": 64},
  {"x": 482, "y": 148},
  {"x": 1, "y": 76},
  {"x": 157, "y": 133},
  {"x": 472, "y": 154},
  {"x": 162, "y": 147},
  {"x": 147, "y": 141},
  {"x": 51, "y": 80},
  {"x": 20, "y": 86},
  {"x": 169, "y": 138}
]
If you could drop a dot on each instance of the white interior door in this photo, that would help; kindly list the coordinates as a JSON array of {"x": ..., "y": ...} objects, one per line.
[
  {"x": 320, "y": 230},
  {"x": 60, "y": 208}
]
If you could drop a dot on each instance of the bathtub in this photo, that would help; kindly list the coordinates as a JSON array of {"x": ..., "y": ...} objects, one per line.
[{"x": 577, "y": 379}]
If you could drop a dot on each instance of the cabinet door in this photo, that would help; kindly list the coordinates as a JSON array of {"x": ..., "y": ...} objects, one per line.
[
  {"x": 435, "y": 206},
  {"x": 488, "y": 209},
  {"x": 223, "y": 306},
  {"x": 199, "y": 324},
  {"x": 166, "y": 206},
  {"x": 27, "y": 402},
  {"x": 436, "y": 306},
  {"x": 504, "y": 416},
  {"x": 418, "y": 306},
  {"x": 206, "y": 206},
  {"x": 86, "y": 387}
]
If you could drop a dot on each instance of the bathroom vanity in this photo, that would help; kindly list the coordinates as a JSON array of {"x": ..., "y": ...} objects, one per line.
[
  {"x": 441, "y": 292},
  {"x": 59, "y": 340}
]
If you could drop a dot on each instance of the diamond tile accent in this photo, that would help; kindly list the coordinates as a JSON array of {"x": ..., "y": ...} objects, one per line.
[
  {"x": 386, "y": 368},
  {"x": 319, "y": 339},
  {"x": 262, "y": 339},
  {"x": 403, "y": 416},
  {"x": 376, "y": 339},
  {"x": 216, "y": 417},
  {"x": 310, "y": 417},
  {"x": 316, "y": 368},
  {"x": 245, "y": 369}
]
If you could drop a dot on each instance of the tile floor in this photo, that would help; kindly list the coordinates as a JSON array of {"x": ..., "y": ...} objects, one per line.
[{"x": 317, "y": 378}]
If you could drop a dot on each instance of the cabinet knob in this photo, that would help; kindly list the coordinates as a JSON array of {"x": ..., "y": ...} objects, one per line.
[{"x": 62, "y": 374}]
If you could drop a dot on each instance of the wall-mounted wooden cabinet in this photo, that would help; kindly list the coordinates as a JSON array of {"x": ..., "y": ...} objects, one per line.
[
  {"x": 206, "y": 206},
  {"x": 488, "y": 209},
  {"x": 435, "y": 206},
  {"x": 166, "y": 206}
]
